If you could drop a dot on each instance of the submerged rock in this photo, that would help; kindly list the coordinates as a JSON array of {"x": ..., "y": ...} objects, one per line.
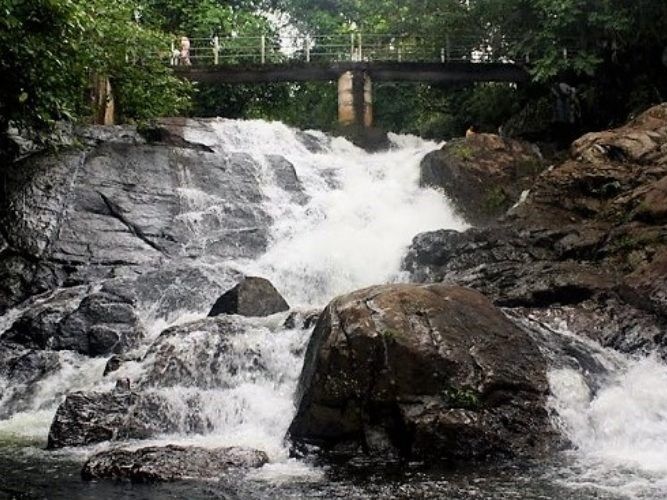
[
  {"x": 170, "y": 463},
  {"x": 251, "y": 297},
  {"x": 428, "y": 371},
  {"x": 483, "y": 175}
]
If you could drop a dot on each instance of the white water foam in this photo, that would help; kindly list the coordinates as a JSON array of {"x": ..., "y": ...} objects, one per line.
[
  {"x": 619, "y": 432},
  {"x": 362, "y": 213},
  {"x": 348, "y": 227}
]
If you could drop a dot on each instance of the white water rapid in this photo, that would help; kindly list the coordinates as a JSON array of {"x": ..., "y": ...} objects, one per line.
[{"x": 349, "y": 228}]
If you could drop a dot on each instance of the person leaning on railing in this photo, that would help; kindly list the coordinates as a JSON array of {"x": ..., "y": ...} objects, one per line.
[{"x": 184, "y": 56}]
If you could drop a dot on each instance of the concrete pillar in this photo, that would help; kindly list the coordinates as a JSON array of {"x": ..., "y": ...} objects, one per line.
[{"x": 355, "y": 99}]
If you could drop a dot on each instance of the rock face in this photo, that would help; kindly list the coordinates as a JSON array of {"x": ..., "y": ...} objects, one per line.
[
  {"x": 483, "y": 174},
  {"x": 589, "y": 241},
  {"x": 428, "y": 371},
  {"x": 169, "y": 463},
  {"x": 118, "y": 205},
  {"x": 251, "y": 297}
]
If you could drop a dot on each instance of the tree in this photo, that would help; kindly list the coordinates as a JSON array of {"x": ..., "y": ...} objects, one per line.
[{"x": 52, "y": 49}]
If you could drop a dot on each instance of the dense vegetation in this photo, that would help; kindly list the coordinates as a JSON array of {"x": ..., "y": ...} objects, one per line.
[{"x": 53, "y": 49}]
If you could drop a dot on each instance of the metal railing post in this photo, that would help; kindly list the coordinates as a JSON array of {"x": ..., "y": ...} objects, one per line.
[
  {"x": 216, "y": 50},
  {"x": 442, "y": 54},
  {"x": 360, "y": 48},
  {"x": 352, "y": 55},
  {"x": 307, "y": 49},
  {"x": 263, "y": 47}
]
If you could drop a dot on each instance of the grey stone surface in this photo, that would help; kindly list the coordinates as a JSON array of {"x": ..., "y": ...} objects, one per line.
[{"x": 170, "y": 463}]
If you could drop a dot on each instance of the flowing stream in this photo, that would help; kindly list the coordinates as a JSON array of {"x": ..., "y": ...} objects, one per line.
[{"x": 346, "y": 226}]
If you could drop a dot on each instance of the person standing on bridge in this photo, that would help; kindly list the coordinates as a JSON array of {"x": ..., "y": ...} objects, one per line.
[{"x": 185, "y": 52}]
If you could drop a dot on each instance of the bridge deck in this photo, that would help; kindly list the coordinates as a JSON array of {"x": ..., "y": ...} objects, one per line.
[{"x": 451, "y": 72}]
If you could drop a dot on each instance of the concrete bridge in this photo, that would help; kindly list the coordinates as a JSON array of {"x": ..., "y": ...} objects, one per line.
[{"x": 354, "y": 61}]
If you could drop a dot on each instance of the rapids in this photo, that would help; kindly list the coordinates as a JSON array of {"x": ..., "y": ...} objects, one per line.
[{"x": 346, "y": 226}]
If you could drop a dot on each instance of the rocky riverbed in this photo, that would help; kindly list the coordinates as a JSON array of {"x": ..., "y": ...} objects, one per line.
[{"x": 164, "y": 308}]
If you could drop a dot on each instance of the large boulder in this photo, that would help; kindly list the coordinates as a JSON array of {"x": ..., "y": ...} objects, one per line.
[
  {"x": 169, "y": 463},
  {"x": 483, "y": 174},
  {"x": 421, "y": 371},
  {"x": 251, "y": 297}
]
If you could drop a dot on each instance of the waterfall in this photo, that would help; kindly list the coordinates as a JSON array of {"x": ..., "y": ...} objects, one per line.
[
  {"x": 341, "y": 219},
  {"x": 337, "y": 219}
]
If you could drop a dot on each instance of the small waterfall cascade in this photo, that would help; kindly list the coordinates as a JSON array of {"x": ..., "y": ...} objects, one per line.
[
  {"x": 338, "y": 219},
  {"x": 332, "y": 218},
  {"x": 611, "y": 408}
]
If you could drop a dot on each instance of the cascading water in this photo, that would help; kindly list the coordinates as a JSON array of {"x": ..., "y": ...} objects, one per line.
[
  {"x": 340, "y": 219},
  {"x": 344, "y": 224},
  {"x": 612, "y": 408}
]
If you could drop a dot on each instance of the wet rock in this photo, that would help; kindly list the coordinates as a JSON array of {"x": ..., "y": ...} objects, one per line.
[
  {"x": 85, "y": 418},
  {"x": 421, "y": 372},
  {"x": 82, "y": 216},
  {"x": 313, "y": 142},
  {"x": 251, "y": 297},
  {"x": 20, "y": 371},
  {"x": 169, "y": 463},
  {"x": 483, "y": 175},
  {"x": 93, "y": 417},
  {"x": 304, "y": 320},
  {"x": 39, "y": 326},
  {"x": 94, "y": 324},
  {"x": 199, "y": 354},
  {"x": 287, "y": 179},
  {"x": 117, "y": 360},
  {"x": 16, "y": 275}
]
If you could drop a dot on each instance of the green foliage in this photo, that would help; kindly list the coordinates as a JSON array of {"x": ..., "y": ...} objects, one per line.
[
  {"x": 495, "y": 200},
  {"x": 462, "y": 151},
  {"x": 53, "y": 48},
  {"x": 466, "y": 398}
]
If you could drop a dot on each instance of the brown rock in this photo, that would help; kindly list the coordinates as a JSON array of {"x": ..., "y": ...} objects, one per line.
[
  {"x": 421, "y": 371},
  {"x": 642, "y": 140},
  {"x": 484, "y": 174}
]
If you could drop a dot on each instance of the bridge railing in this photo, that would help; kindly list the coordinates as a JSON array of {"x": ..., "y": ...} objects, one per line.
[{"x": 354, "y": 47}]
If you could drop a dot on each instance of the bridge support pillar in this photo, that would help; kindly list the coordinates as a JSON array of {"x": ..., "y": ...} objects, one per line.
[{"x": 355, "y": 99}]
